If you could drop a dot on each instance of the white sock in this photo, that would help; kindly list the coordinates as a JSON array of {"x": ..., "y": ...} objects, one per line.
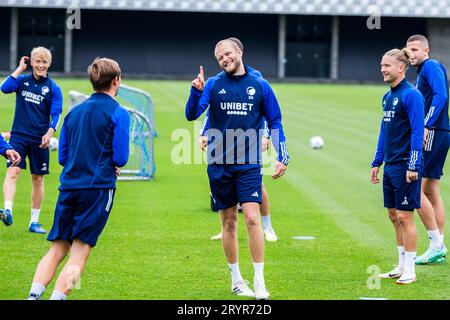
[
  {"x": 259, "y": 271},
  {"x": 36, "y": 291},
  {"x": 35, "y": 215},
  {"x": 410, "y": 262},
  {"x": 266, "y": 222},
  {"x": 8, "y": 205},
  {"x": 56, "y": 295},
  {"x": 442, "y": 240},
  {"x": 235, "y": 273},
  {"x": 435, "y": 239},
  {"x": 401, "y": 257}
]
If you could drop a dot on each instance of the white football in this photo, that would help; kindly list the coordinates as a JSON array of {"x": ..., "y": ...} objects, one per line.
[
  {"x": 316, "y": 142},
  {"x": 53, "y": 144}
]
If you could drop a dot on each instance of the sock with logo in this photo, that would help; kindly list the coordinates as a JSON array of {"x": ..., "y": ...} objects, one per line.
[
  {"x": 236, "y": 276},
  {"x": 259, "y": 271},
  {"x": 56, "y": 295},
  {"x": 8, "y": 205},
  {"x": 410, "y": 262},
  {"x": 36, "y": 291},
  {"x": 401, "y": 257},
  {"x": 435, "y": 239},
  {"x": 266, "y": 222},
  {"x": 35, "y": 215}
]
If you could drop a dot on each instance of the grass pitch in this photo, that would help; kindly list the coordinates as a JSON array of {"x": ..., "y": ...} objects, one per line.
[{"x": 156, "y": 244}]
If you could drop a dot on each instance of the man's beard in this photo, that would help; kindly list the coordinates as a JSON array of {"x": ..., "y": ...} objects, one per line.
[{"x": 237, "y": 65}]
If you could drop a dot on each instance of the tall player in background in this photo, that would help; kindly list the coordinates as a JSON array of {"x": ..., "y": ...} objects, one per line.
[
  {"x": 94, "y": 141},
  {"x": 238, "y": 101},
  {"x": 432, "y": 82},
  {"x": 400, "y": 148},
  {"x": 38, "y": 109}
]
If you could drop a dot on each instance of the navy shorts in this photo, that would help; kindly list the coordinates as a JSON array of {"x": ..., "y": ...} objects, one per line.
[
  {"x": 397, "y": 192},
  {"x": 434, "y": 153},
  {"x": 38, "y": 157},
  {"x": 231, "y": 184},
  {"x": 81, "y": 214}
]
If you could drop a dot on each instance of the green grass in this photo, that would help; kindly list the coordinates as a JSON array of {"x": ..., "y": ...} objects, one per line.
[{"x": 156, "y": 244}]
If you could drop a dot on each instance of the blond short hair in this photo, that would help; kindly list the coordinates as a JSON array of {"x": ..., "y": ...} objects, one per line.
[
  {"x": 102, "y": 72},
  {"x": 419, "y": 37},
  {"x": 41, "y": 52}
]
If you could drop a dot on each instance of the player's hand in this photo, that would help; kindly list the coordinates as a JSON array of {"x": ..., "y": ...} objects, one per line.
[
  {"x": 23, "y": 63},
  {"x": 46, "y": 139},
  {"x": 117, "y": 171},
  {"x": 411, "y": 176},
  {"x": 13, "y": 156},
  {"x": 265, "y": 143},
  {"x": 374, "y": 175},
  {"x": 203, "y": 142},
  {"x": 280, "y": 169},
  {"x": 425, "y": 137},
  {"x": 199, "y": 82}
]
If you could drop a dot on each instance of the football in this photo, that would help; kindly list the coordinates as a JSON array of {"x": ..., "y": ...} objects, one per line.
[
  {"x": 316, "y": 142},
  {"x": 53, "y": 144}
]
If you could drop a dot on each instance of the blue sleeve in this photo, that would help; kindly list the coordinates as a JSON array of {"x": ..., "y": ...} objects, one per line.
[
  {"x": 3, "y": 146},
  {"x": 10, "y": 84},
  {"x": 436, "y": 79},
  {"x": 379, "y": 152},
  {"x": 198, "y": 101},
  {"x": 272, "y": 113},
  {"x": 63, "y": 147},
  {"x": 414, "y": 105},
  {"x": 121, "y": 137},
  {"x": 55, "y": 106},
  {"x": 206, "y": 124}
]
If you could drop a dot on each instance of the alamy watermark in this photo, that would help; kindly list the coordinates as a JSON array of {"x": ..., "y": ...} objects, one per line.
[
  {"x": 73, "y": 20},
  {"x": 374, "y": 20},
  {"x": 234, "y": 146}
]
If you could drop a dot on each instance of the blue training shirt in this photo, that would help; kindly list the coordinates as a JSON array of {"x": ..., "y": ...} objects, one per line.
[
  {"x": 207, "y": 124},
  {"x": 239, "y": 103},
  {"x": 401, "y": 133},
  {"x": 3, "y": 146},
  {"x": 432, "y": 82},
  {"x": 94, "y": 140},
  {"x": 38, "y": 105}
]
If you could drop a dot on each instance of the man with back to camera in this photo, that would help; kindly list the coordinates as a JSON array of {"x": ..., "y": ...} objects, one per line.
[{"x": 94, "y": 142}]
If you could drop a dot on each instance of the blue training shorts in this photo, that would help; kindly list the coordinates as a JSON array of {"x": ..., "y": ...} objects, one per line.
[
  {"x": 397, "y": 192},
  {"x": 39, "y": 158},
  {"x": 435, "y": 153},
  {"x": 81, "y": 214},
  {"x": 231, "y": 184}
]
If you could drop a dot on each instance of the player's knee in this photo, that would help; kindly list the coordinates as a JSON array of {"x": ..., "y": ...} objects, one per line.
[
  {"x": 57, "y": 253},
  {"x": 392, "y": 214},
  {"x": 230, "y": 225},
  {"x": 37, "y": 178},
  {"x": 252, "y": 220},
  {"x": 405, "y": 218},
  {"x": 13, "y": 173}
]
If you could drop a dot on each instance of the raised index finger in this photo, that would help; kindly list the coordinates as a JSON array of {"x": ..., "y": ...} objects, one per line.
[{"x": 202, "y": 74}]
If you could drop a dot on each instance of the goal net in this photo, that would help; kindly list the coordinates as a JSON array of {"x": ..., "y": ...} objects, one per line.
[{"x": 141, "y": 164}]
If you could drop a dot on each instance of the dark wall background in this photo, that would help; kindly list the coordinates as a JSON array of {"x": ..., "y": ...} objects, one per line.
[
  {"x": 5, "y": 18},
  {"x": 173, "y": 43},
  {"x": 361, "y": 49}
]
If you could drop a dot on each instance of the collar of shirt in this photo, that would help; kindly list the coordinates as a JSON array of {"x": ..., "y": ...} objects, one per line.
[{"x": 399, "y": 85}]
